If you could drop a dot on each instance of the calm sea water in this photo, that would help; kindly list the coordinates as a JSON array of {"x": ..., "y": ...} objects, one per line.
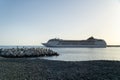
[{"x": 81, "y": 54}]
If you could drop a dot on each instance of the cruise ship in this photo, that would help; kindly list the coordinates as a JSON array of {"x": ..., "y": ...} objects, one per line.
[{"x": 91, "y": 42}]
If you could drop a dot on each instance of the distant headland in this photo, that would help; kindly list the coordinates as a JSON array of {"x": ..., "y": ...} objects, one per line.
[{"x": 113, "y": 45}]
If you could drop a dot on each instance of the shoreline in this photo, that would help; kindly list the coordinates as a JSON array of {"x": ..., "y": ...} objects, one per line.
[{"x": 40, "y": 69}]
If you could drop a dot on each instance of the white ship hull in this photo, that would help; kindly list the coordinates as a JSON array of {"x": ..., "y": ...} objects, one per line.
[{"x": 82, "y": 46}]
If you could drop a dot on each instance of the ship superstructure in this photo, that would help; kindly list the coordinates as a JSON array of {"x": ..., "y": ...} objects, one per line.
[{"x": 90, "y": 42}]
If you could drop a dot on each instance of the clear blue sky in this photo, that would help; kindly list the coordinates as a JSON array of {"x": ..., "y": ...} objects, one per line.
[{"x": 31, "y": 22}]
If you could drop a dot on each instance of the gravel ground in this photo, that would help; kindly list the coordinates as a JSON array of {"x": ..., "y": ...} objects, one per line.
[{"x": 39, "y": 69}]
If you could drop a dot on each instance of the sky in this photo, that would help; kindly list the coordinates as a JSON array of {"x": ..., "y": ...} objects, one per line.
[{"x": 31, "y": 22}]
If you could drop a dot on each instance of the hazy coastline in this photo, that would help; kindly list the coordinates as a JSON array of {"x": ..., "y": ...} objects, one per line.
[{"x": 113, "y": 45}]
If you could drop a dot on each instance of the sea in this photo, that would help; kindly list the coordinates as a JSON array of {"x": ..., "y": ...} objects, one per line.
[{"x": 79, "y": 54}]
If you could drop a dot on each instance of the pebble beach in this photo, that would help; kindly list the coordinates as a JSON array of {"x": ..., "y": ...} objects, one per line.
[{"x": 40, "y": 69}]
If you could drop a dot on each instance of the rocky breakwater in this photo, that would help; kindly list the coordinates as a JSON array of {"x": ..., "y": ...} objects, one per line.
[{"x": 26, "y": 52}]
